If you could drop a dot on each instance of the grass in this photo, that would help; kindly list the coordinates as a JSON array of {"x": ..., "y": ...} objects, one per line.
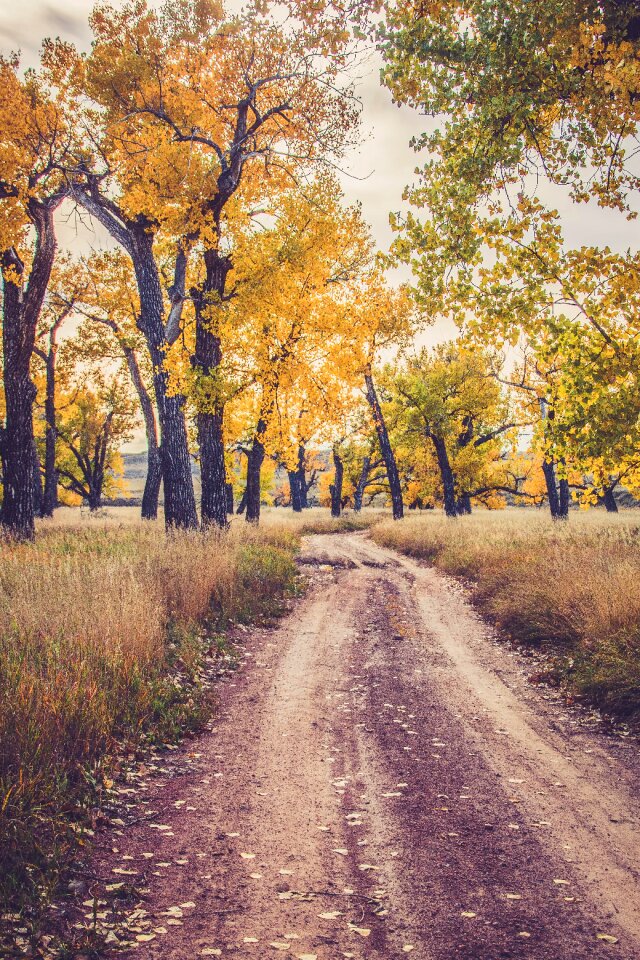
[
  {"x": 104, "y": 630},
  {"x": 572, "y": 589}
]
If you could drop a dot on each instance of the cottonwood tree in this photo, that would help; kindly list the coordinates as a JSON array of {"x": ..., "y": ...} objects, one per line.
[
  {"x": 215, "y": 109},
  {"x": 93, "y": 425},
  {"x": 109, "y": 309},
  {"x": 448, "y": 407},
  {"x": 36, "y": 138}
]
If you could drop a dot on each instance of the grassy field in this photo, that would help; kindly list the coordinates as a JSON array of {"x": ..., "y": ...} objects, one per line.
[
  {"x": 571, "y": 588},
  {"x": 104, "y": 628}
]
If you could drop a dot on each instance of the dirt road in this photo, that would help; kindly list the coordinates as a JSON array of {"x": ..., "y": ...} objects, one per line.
[{"x": 381, "y": 781}]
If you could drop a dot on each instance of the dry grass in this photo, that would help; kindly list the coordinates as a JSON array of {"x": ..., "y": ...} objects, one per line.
[
  {"x": 103, "y": 630},
  {"x": 573, "y": 587}
]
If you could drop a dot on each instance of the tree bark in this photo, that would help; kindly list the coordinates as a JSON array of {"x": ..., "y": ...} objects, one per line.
[
  {"x": 50, "y": 495},
  {"x": 336, "y": 487},
  {"x": 549, "y": 471},
  {"x": 302, "y": 477},
  {"x": 151, "y": 493},
  {"x": 255, "y": 460},
  {"x": 294, "y": 487},
  {"x": 179, "y": 497},
  {"x": 206, "y": 361},
  {"x": 137, "y": 239},
  {"x": 446, "y": 475},
  {"x": 38, "y": 489},
  {"x": 385, "y": 446},
  {"x": 242, "y": 505},
  {"x": 358, "y": 494},
  {"x": 230, "y": 499},
  {"x": 610, "y": 503},
  {"x": 21, "y": 310},
  {"x": 564, "y": 498},
  {"x": 463, "y": 505}
]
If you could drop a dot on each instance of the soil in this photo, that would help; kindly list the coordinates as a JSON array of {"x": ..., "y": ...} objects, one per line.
[{"x": 381, "y": 780}]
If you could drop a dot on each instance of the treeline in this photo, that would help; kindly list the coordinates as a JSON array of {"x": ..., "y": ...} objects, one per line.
[{"x": 242, "y": 312}]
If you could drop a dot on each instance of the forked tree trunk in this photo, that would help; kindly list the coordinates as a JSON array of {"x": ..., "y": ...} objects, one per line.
[
  {"x": 255, "y": 459},
  {"x": 179, "y": 497},
  {"x": 358, "y": 494},
  {"x": 385, "y": 446},
  {"x": 206, "y": 362},
  {"x": 137, "y": 239},
  {"x": 336, "y": 487},
  {"x": 446, "y": 475},
  {"x": 463, "y": 504}
]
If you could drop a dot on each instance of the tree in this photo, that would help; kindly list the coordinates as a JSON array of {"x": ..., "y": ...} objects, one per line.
[
  {"x": 228, "y": 103},
  {"x": 110, "y": 308},
  {"x": 35, "y": 139},
  {"x": 91, "y": 431},
  {"x": 449, "y": 398}
]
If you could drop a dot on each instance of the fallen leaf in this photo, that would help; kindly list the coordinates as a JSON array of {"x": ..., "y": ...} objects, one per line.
[
  {"x": 468, "y": 913},
  {"x": 361, "y": 931},
  {"x": 408, "y": 948},
  {"x": 256, "y": 876},
  {"x": 145, "y": 937},
  {"x": 211, "y": 952},
  {"x": 330, "y": 915},
  {"x": 279, "y": 946},
  {"x": 513, "y": 896},
  {"x": 606, "y": 938},
  {"x": 250, "y": 940},
  {"x": 308, "y": 956},
  {"x": 248, "y": 856},
  {"x": 561, "y": 883},
  {"x": 341, "y": 851}
]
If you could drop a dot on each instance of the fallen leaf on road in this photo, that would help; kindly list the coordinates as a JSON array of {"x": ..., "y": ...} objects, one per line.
[
  {"x": 307, "y": 956},
  {"x": 278, "y": 945},
  {"x": 250, "y": 940},
  {"x": 468, "y": 913},
  {"x": 408, "y": 948},
  {"x": 606, "y": 938},
  {"x": 211, "y": 952},
  {"x": 145, "y": 937},
  {"x": 248, "y": 856},
  {"x": 256, "y": 876},
  {"x": 330, "y": 915},
  {"x": 341, "y": 851},
  {"x": 361, "y": 931},
  {"x": 561, "y": 883},
  {"x": 513, "y": 896}
]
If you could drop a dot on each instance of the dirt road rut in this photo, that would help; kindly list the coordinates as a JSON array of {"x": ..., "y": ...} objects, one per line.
[{"x": 380, "y": 782}]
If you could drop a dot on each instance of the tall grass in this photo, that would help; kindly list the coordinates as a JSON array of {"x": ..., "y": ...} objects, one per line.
[
  {"x": 103, "y": 631},
  {"x": 571, "y": 587}
]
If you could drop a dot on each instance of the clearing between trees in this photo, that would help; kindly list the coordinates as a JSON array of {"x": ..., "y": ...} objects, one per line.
[{"x": 379, "y": 780}]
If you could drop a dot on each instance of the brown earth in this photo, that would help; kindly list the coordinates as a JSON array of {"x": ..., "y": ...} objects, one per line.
[{"x": 381, "y": 781}]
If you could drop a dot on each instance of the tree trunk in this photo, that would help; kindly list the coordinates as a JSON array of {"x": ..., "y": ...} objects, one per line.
[
  {"x": 230, "y": 499},
  {"x": 151, "y": 493},
  {"x": 294, "y": 487},
  {"x": 38, "y": 488},
  {"x": 242, "y": 506},
  {"x": 21, "y": 311},
  {"x": 358, "y": 493},
  {"x": 385, "y": 447},
  {"x": 549, "y": 471},
  {"x": 463, "y": 505},
  {"x": 610, "y": 502},
  {"x": 179, "y": 497},
  {"x": 302, "y": 477},
  {"x": 255, "y": 460},
  {"x": 206, "y": 362},
  {"x": 336, "y": 487},
  {"x": 446, "y": 475},
  {"x": 564, "y": 499},
  {"x": 50, "y": 494}
]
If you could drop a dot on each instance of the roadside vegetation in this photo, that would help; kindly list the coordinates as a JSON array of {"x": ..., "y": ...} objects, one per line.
[
  {"x": 569, "y": 589},
  {"x": 105, "y": 634}
]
